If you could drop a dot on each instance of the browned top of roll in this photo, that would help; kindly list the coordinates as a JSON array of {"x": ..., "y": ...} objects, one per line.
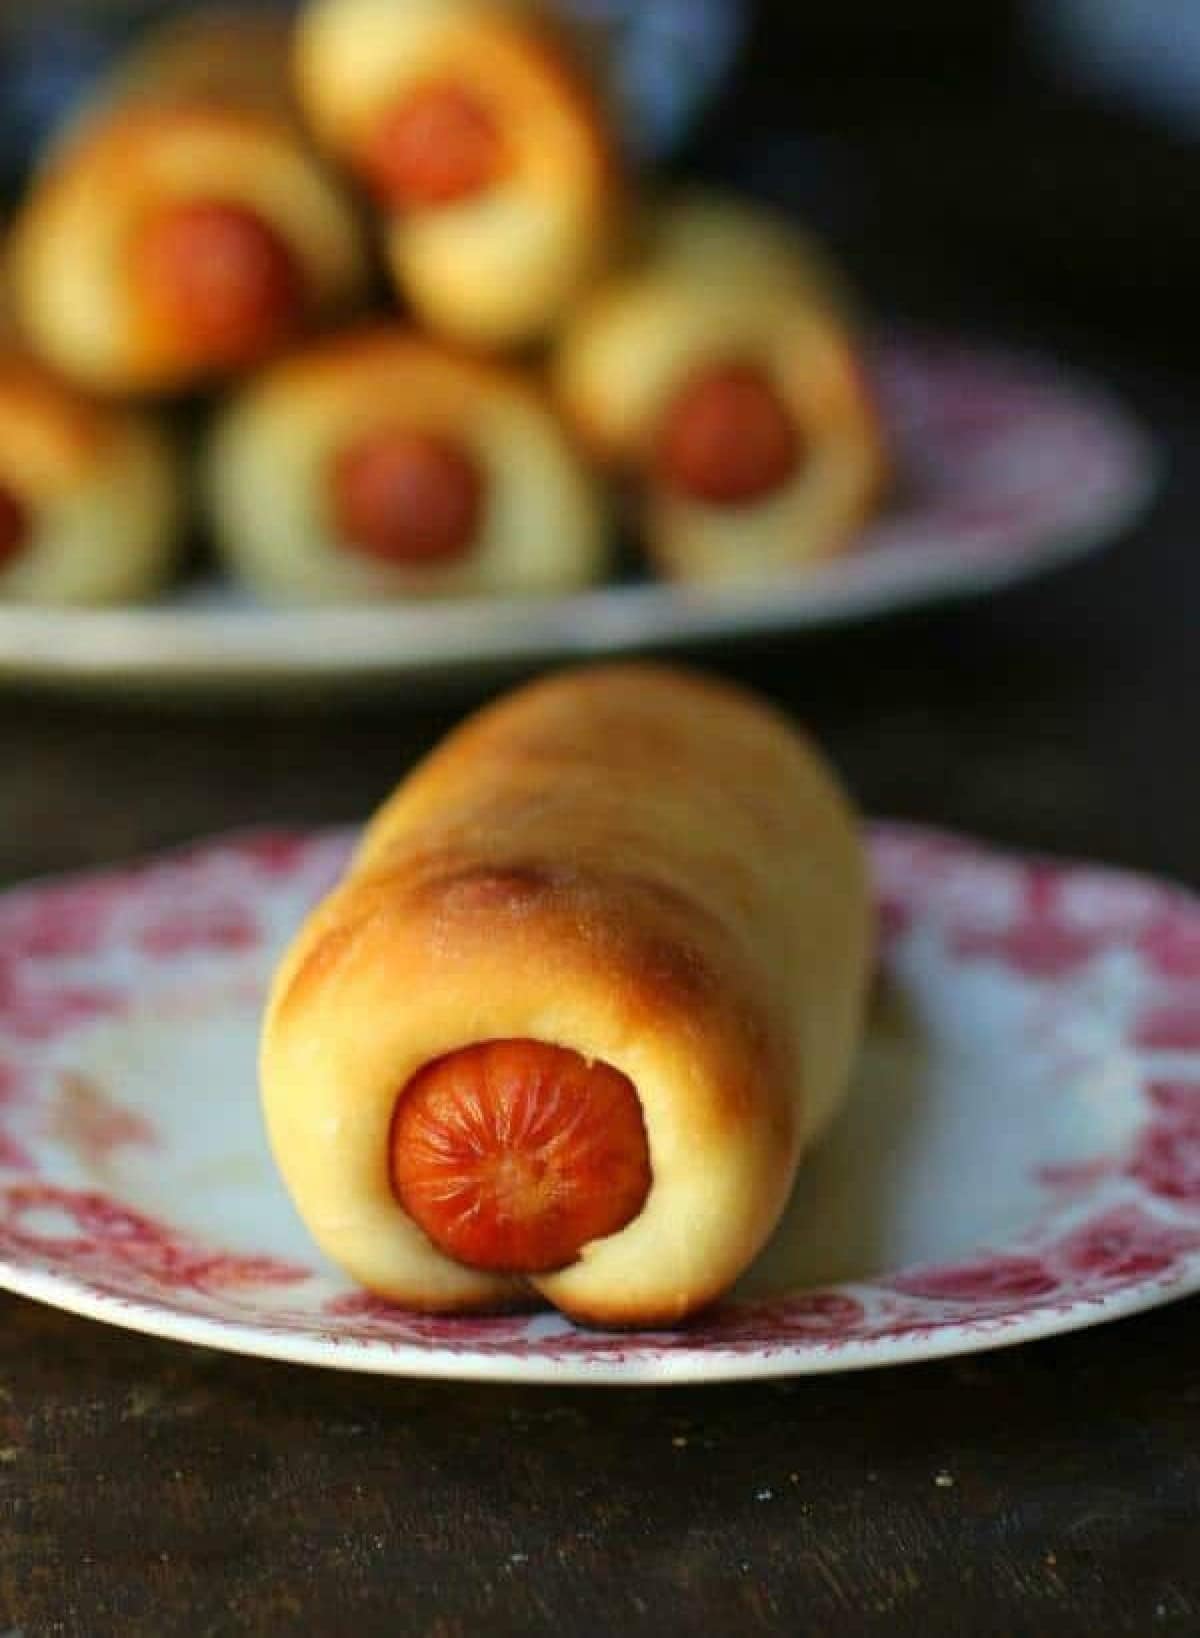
[
  {"x": 641, "y": 866},
  {"x": 553, "y": 814}
]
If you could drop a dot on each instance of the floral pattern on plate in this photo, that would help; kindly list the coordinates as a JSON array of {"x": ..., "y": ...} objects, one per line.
[{"x": 1020, "y": 1154}]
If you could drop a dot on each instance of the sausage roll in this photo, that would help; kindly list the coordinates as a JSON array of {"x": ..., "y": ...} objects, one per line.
[
  {"x": 482, "y": 144},
  {"x": 232, "y": 55},
  {"x": 380, "y": 464},
  {"x": 91, "y": 503},
  {"x": 721, "y": 237},
  {"x": 721, "y": 376},
  {"x": 590, "y": 987},
  {"x": 171, "y": 243}
]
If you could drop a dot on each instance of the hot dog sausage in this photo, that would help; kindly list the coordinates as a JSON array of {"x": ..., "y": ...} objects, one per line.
[
  {"x": 407, "y": 497},
  {"x": 220, "y": 275},
  {"x": 440, "y": 146},
  {"x": 728, "y": 438},
  {"x": 512, "y": 1155}
]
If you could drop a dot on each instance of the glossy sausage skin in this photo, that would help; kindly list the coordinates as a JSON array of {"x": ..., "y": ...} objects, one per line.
[
  {"x": 219, "y": 277},
  {"x": 728, "y": 438},
  {"x": 407, "y": 497},
  {"x": 513, "y": 1155},
  {"x": 14, "y": 526},
  {"x": 439, "y": 147}
]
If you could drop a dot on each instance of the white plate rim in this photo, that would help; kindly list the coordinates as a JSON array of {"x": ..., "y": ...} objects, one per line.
[
  {"x": 712, "y": 1364},
  {"x": 177, "y": 645},
  {"x": 672, "y": 1359}
]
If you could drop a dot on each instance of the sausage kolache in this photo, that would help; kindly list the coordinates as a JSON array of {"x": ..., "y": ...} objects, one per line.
[
  {"x": 481, "y": 142},
  {"x": 589, "y": 988},
  {"x": 381, "y": 464},
  {"x": 722, "y": 374},
  {"x": 179, "y": 228}
]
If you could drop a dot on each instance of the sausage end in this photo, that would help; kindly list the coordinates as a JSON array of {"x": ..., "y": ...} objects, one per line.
[{"x": 514, "y": 1155}]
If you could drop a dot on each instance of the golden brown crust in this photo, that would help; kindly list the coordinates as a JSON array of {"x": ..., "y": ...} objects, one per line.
[{"x": 641, "y": 865}]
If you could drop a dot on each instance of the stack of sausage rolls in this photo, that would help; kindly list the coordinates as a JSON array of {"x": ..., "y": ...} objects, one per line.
[{"x": 440, "y": 344}]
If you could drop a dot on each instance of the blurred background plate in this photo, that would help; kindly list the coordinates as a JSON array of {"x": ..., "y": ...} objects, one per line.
[{"x": 1007, "y": 465}]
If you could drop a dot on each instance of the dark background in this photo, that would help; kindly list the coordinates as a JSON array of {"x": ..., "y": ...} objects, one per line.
[
  {"x": 966, "y": 172},
  {"x": 148, "y": 1488}
]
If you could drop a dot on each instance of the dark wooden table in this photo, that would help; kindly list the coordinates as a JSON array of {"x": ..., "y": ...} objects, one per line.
[{"x": 150, "y": 1488}]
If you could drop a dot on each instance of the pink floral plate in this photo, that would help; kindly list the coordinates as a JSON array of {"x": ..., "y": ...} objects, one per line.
[
  {"x": 1020, "y": 1154},
  {"x": 1005, "y": 467}
]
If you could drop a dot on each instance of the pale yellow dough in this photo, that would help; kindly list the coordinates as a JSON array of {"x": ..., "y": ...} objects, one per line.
[
  {"x": 645, "y": 866},
  {"x": 719, "y": 283},
  {"x": 102, "y": 487},
  {"x": 267, "y": 474},
  {"x": 502, "y": 269}
]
